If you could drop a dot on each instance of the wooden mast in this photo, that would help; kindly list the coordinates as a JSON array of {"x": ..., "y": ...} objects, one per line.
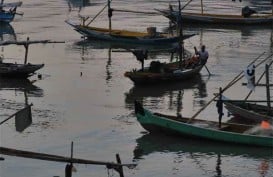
[
  {"x": 202, "y": 9},
  {"x": 180, "y": 47}
]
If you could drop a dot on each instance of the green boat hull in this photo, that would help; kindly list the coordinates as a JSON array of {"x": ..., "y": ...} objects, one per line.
[{"x": 229, "y": 132}]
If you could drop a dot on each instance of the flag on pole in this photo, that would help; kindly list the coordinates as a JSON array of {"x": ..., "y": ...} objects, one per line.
[{"x": 250, "y": 76}]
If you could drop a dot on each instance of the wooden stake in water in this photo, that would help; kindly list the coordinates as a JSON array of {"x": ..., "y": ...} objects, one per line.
[
  {"x": 120, "y": 168},
  {"x": 267, "y": 88},
  {"x": 202, "y": 8},
  {"x": 110, "y": 13},
  {"x": 68, "y": 167}
]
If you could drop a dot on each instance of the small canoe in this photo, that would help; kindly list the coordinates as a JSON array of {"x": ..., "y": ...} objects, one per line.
[
  {"x": 125, "y": 36},
  {"x": 13, "y": 70},
  {"x": 257, "y": 19},
  {"x": 251, "y": 111},
  {"x": 229, "y": 132},
  {"x": 168, "y": 72}
]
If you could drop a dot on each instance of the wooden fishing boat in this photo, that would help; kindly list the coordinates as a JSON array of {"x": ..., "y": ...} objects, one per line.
[
  {"x": 229, "y": 132},
  {"x": 163, "y": 72},
  {"x": 151, "y": 37},
  {"x": 248, "y": 110},
  {"x": 205, "y": 18},
  {"x": 6, "y": 16},
  {"x": 18, "y": 70},
  {"x": 124, "y": 36},
  {"x": 24, "y": 70}
]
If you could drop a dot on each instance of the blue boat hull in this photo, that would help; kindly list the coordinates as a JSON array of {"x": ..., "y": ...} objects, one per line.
[{"x": 6, "y": 17}]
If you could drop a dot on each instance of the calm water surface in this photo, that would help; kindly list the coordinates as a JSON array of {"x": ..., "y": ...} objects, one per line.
[{"x": 95, "y": 110}]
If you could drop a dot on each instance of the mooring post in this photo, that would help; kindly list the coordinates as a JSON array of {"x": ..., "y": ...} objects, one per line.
[
  {"x": 120, "y": 168},
  {"x": 219, "y": 106},
  {"x": 69, "y": 166}
]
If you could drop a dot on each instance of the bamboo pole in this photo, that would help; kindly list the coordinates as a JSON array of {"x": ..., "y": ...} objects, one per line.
[
  {"x": 56, "y": 158},
  {"x": 250, "y": 92},
  {"x": 186, "y": 4},
  {"x": 137, "y": 12},
  {"x": 236, "y": 79},
  {"x": 97, "y": 15}
]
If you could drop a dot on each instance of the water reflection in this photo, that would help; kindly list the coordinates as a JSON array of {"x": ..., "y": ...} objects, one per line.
[
  {"x": 108, "y": 67},
  {"x": 152, "y": 143},
  {"x": 45, "y": 118},
  {"x": 102, "y": 44},
  {"x": 245, "y": 31},
  {"x": 21, "y": 85},
  {"x": 173, "y": 91},
  {"x": 23, "y": 119},
  {"x": 7, "y": 32}
]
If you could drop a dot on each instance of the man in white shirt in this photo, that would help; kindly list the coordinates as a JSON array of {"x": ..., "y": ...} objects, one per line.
[{"x": 203, "y": 54}]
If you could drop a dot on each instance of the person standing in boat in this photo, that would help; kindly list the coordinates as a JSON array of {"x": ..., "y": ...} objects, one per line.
[{"x": 203, "y": 55}]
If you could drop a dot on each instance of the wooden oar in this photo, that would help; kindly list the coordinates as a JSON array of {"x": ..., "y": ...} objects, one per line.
[
  {"x": 236, "y": 79},
  {"x": 207, "y": 69}
]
